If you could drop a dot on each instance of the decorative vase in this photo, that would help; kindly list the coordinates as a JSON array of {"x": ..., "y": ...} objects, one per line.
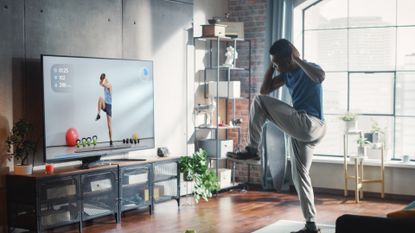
[
  {"x": 376, "y": 137},
  {"x": 23, "y": 169},
  {"x": 351, "y": 125},
  {"x": 187, "y": 176}
]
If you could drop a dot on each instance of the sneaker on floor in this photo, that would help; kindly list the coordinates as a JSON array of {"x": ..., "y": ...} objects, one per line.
[
  {"x": 98, "y": 117},
  {"x": 249, "y": 153},
  {"x": 306, "y": 230}
]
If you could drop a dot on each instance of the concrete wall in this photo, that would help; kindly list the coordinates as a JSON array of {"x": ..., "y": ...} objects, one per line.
[
  {"x": 140, "y": 29},
  {"x": 11, "y": 78}
]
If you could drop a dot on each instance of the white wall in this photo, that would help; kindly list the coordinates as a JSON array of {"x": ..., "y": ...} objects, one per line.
[
  {"x": 164, "y": 38},
  {"x": 202, "y": 11},
  {"x": 206, "y": 9}
]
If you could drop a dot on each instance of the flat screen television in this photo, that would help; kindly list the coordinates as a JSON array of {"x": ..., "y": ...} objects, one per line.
[{"x": 108, "y": 102}]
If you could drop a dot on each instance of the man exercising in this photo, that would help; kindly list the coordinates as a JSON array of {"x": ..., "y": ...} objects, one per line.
[
  {"x": 303, "y": 121},
  {"x": 105, "y": 105}
]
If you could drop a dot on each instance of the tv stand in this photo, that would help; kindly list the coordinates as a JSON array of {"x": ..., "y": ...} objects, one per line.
[
  {"x": 72, "y": 196},
  {"x": 122, "y": 160}
]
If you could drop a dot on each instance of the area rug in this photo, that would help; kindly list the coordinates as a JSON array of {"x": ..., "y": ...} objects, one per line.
[{"x": 287, "y": 226}]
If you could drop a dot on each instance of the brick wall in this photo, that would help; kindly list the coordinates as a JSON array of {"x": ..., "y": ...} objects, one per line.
[
  {"x": 252, "y": 14},
  {"x": 241, "y": 112}
]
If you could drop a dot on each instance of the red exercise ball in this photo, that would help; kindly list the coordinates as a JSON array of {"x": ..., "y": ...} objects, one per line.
[{"x": 71, "y": 137}]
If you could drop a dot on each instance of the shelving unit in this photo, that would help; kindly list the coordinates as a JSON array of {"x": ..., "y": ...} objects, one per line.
[
  {"x": 218, "y": 44},
  {"x": 358, "y": 162}
]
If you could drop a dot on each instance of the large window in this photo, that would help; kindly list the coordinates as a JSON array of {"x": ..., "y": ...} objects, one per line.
[{"x": 367, "y": 48}]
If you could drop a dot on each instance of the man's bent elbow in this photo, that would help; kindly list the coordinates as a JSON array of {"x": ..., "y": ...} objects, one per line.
[
  {"x": 263, "y": 92},
  {"x": 322, "y": 76}
]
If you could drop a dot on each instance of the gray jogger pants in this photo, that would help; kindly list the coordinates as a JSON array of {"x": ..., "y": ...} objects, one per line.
[{"x": 305, "y": 132}]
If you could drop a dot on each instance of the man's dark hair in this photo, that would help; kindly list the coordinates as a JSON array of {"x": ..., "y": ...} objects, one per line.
[
  {"x": 281, "y": 48},
  {"x": 102, "y": 76}
]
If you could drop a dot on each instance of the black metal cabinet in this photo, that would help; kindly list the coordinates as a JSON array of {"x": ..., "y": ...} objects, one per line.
[
  {"x": 59, "y": 202},
  {"x": 99, "y": 192},
  {"x": 165, "y": 182},
  {"x": 134, "y": 187},
  {"x": 39, "y": 202}
]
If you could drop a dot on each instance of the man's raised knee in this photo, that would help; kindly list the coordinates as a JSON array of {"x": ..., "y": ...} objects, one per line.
[{"x": 258, "y": 98}]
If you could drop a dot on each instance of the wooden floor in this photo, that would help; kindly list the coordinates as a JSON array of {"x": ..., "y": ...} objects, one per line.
[{"x": 236, "y": 211}]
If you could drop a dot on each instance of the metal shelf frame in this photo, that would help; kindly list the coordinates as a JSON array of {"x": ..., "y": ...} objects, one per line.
[{"x": 215, "y": 43}]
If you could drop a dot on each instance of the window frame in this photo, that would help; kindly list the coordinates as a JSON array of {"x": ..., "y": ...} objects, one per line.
[{"x": 396, "y": 26}]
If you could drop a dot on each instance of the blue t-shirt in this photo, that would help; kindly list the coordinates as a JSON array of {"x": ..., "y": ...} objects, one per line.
[
  {"x": 306, "y": 94},
  {"x": 108, "y": 96}
]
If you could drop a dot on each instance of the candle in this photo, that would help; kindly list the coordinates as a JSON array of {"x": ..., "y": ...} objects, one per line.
[{"x": 49, "y": 168}]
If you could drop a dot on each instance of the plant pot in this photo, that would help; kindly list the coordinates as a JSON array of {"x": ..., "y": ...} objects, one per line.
[
  {"x": 376, "y": 137},
  {"x": 187, "y": 176},
  {"x": 351, "y": 125},
  {"x": 23, "y": 169},
  {"x": 362, "y": 151}
]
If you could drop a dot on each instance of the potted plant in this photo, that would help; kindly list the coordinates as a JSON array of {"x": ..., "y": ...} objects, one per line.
[
  {"x": 362, "y": 143},
  {"x": 351, "y": 121},
  {"x": 20, "y": 147},
  {"x": 377, "y": 133},
  {"x": 195, "y": 168}
]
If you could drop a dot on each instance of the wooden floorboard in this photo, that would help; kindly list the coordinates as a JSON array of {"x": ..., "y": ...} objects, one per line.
[{"x": 236, "y": 212}]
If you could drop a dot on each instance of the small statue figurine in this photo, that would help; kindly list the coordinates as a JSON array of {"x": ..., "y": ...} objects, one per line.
[{"x": 231, "y": 55}]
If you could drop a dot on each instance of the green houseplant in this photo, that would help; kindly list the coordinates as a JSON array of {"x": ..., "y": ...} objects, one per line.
[
  {"x": 377, "y": 133},
  {"x": 195, "y": 168},
  {"x": 20, "y": 146},
  {"x": 351, "y": 121},
  {"x": 349, "y": 116},
  {"x": 362, "y": 143}
]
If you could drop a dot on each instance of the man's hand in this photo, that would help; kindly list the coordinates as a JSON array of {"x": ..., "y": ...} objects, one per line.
[{"x": 316, "y": 74}]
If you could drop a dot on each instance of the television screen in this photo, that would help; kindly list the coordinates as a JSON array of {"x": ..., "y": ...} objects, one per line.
[{"x": 107, "y": 104}]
